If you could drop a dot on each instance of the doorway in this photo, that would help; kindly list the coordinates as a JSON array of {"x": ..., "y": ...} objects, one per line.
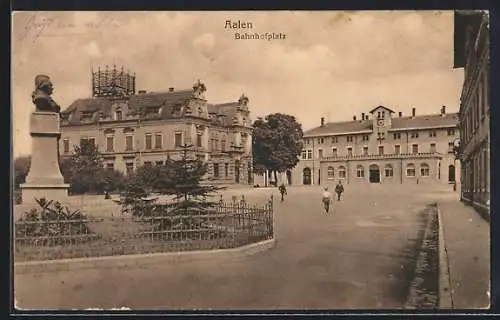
[
  {"x": 289, "y": 177},
  {"x": 306, "y": 176},
  {"x": 374, "y": 174},
  {"x": 451, "y": 173}
]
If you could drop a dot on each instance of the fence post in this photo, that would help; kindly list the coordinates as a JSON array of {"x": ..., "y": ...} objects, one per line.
[{"x": 272, "y": 218}]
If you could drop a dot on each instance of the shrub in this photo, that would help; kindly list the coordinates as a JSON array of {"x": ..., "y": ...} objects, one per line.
[{"x": 52, "y": 223}]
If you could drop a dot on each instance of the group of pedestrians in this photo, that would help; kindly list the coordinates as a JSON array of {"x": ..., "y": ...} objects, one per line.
[{"x": 326, "y": 198}]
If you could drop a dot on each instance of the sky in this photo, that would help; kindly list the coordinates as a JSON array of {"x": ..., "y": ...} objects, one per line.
[{"x": 331, "y": 64}]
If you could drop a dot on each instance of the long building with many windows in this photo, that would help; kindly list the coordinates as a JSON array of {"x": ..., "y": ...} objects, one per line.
[
  {"x": 381, "y": 147},
  {"x": 131, "y": 130},
  {"x": 472, "y": 52}
]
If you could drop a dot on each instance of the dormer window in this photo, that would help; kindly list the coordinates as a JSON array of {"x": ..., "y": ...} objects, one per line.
[
  {"x": 87, "y": 115},
  {"x": 118, "y": 115}
]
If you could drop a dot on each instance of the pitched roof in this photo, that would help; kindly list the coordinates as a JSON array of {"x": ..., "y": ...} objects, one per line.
[
  {"x": 157, "y": 99},
  {"x": 403, "y": 123},
  {"x": 169, "y": 101},
  {"x": 425, "y": 121},
  {"x": 373, "y": 110},
  {"x": 341, "y": 127},
  {"x": 228, "y": 110}
]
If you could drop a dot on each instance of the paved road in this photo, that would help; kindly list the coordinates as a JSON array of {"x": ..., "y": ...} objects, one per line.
[{"x": 359, "y": 257}]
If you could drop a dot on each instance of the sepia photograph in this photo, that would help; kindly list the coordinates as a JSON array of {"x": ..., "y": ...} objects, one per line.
[{"x": 250, "y": 160}]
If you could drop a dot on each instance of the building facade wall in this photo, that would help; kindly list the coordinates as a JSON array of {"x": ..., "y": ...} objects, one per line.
[
  {"x": 321, "y": 152},
  {"x": 475, "y": 118},
  {"x": 217, "y": 145}
]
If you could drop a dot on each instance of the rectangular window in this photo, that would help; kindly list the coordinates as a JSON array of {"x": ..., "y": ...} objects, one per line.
[
  {"x": 110, "y": 144},
  {"x": 226, "y": 169},
  {"x": 349, "y": 138},
  {"x": 309, "y": 154},
  {"x": 110, "y": 166},
  {"x": 158, "y": 141},
  {"x": 432, "y": 134},
  {"x": 433, "y": 148},
  {"x": 414, "y": 135},
  {"x": 66, "y": 145},
  {"x": 410, "y": 171},
  {"x": 397, "y": 149},
  {"x": 335, "y": 140},
  {"x": 450, "y": 147},
  {"x": 178, "y": 139},
  {"x": 389, "y": 172},
  {"x": 381, "y": 150},
  {"x": 366, "y": 137},
  {"x": 397, "y": 136},
  {"x": 303, "y": 155},
  {"x": 149, "y": 141},
  {"x": 451, "y": 132},
  {"x": 216, "y": 169},
  {"x": 119, "y": 115},
  {"x": 349, "y": 152},
  {"x": 130, "y": 167},
  {"x": 414, "y": 148},
  {"x": 147, "y": 163},
  {"x": 83, "y": 141},
  {"x": 129, "y": 143},
  {"x": 159, "y": 163},
  {"x": 92, "y": 142},
  {"x": 223, "y": 145},
  {"x": 199, "y": 140},
  {"x": 320, "y": 153},
  {"x": 321, "y": 140},
  {"x": 334, "y": 152},
  {"x": 365, "y": 151}
]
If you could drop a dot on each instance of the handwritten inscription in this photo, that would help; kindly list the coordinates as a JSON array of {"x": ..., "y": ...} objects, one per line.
[{"x": 39, "y": 26}]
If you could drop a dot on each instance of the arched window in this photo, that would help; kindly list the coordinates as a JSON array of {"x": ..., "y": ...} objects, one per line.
[
  {"x": 331, "y": 173},
  {"x": 118, "y": 114},
  {"x": 341, "y": 172},
  {"x": 424, "y": 170},
  {"x": 389, "y": 171},
  {"x": 410, "y": 170},
  {"x": 360, "y": 171}
]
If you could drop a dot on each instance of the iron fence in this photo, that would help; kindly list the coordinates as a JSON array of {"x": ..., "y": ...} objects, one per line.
[{"x": 226, "y": 224}]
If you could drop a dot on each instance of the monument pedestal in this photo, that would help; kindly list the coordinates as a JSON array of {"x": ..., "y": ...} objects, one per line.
[{"x": 44, "y": 179}]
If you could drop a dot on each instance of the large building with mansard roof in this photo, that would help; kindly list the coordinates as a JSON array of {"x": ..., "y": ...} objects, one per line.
[
  {"x": 145, "y": 128},
  {"x": 382, "y": 146}
]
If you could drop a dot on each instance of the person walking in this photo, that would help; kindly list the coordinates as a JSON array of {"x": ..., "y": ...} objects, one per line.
[
  {"x": 282, "y": 189},
  {"x": 326, "y": 199},
  {"x": 339, "y": 189}
]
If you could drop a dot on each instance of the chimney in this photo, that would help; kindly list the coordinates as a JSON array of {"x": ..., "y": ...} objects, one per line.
[
  {"x": 171, "y": 89},
  {"x": 354, "y": 117},
  {"x": 322, "y": 121},
  {"x": 443, "y": 110},
  {"x": 363, "y": 116},
  {"x": 142, "y": 91},
  {"x": 400, "y": 114},
  {"x": 413, "y": 110}
]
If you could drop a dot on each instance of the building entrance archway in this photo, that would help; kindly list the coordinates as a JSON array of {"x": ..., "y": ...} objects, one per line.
[
  {"x": 374, "y": 173},
  {"x": 306, "y": 176}
]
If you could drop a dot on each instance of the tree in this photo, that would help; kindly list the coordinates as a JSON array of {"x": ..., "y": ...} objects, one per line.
[
  {"x": 277, "y": 143},
  {"x": 21, "y": 169},
  {"x": 181, "y": 178},
  {"x": 84, "y": 171}
]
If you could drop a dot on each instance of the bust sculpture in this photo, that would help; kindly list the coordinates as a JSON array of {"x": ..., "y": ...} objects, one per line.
[{"x": 41, "y": 97}]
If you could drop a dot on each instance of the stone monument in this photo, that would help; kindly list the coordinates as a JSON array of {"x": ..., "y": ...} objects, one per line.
[{"x": 44, "y": 179}]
